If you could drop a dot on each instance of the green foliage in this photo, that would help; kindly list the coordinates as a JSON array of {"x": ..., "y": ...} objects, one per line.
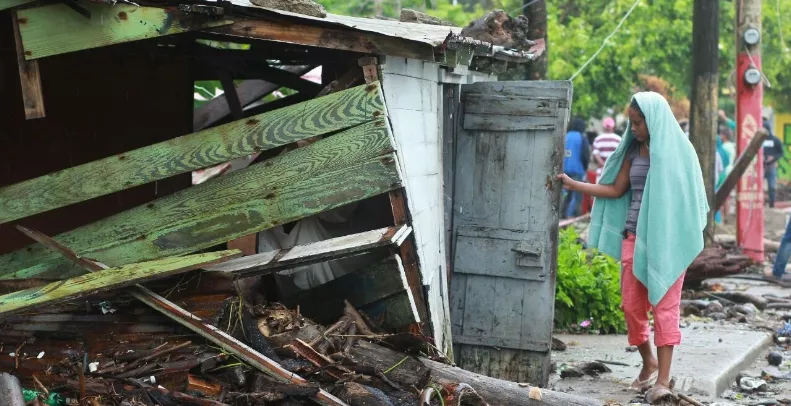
[{"x": 587, "y": 288}]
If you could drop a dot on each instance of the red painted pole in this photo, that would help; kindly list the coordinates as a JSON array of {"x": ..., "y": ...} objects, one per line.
[{"x": 749, "y": 118}]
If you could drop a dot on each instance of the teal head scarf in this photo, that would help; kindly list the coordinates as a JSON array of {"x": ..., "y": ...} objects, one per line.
[{"x": 674, "y": 206}]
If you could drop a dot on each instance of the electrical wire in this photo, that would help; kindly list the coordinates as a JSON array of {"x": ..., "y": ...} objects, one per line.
[{"x": 604, "y": 43}]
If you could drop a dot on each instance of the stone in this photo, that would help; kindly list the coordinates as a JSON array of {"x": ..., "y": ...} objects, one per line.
[
  {"x": 571, "y": 372},
  {"x": 718, "y": 316},
  {"x": 774, "y": 358},
  {"x": 775, "y": 374},
  {"x": 714, "y": 307},
  {"x": 691, "y": 310},
  {"x": 306, "y": 7},
  {"x": 748, "y": 384}
]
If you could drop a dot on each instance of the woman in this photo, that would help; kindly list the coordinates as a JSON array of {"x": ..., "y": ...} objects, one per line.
[
  {"x": 575, "y": 163},
  {"x": 649, "y": 212}
]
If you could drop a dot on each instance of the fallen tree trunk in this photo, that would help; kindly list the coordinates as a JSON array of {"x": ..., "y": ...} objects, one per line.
[
  {"x": 411, "y": 371},
  {"x": 714, "y": 263}
]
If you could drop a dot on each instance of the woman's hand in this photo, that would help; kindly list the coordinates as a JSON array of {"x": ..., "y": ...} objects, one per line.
[{"x": 566, "y": 180}]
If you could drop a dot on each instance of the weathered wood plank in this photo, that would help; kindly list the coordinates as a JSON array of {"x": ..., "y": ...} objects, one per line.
[
  {"x": 249, "y": 91},
  {"x": 6, "y": 4},
  {"x": 338, "y": 170},
  {"x": 324, "y": 37},
  {"x": 57, "y": 29},
  {"x": 502, "y": 122},
  {"x": 334, "y": 248},
  {"x": 380, "y": 290},
  {"x": 29, "y": 78},
  {"x": 113, "y": 278},
  {"x": 486, "y": 104},
  {"x": 195, "y": 151}
]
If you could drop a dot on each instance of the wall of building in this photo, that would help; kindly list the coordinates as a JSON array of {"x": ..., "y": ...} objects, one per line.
[{"x": 413, "y": 94}]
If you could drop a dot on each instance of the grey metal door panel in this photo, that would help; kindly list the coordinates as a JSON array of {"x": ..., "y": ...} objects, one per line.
[{"x": 505, "y": 220}]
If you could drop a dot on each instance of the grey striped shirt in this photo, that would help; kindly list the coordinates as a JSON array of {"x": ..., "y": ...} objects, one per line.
[{"x": 637, "y": 176}]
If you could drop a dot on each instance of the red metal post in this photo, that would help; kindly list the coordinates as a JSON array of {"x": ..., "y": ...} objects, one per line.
[{"x": 750, "y": 190}]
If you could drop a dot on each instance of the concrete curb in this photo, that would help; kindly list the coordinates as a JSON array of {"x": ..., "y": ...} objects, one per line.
[{"x": 713, "y": 386}]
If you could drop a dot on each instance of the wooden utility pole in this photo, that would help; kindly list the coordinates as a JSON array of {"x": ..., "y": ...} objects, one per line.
[
  {"x": 749, "y": 109},
  {"x": 705, "y": 88},
  {"x": 536, "y": 13}
]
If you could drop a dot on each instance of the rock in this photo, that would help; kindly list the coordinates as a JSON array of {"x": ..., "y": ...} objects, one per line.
[
  {"x": 749, "y": 384},
  {"x": 593, "y": 368},
  {"x": 306, "y": 7},
  {"x": 714, "y": 307},
  {"x": 774, "y": 374},
  {"x": 718, "y": 316},
  {"x": 774, "y": 358},
  {"x": 569, "y": 371},
  {"x": 691, "y": 310},
  {"x": 414, "y": 16},
  {"x": 632, "y": 348},
  {"x": 746, "y": 309},
  {"x": 558, "y": 345},
  {"x": 748, "y": 374}
]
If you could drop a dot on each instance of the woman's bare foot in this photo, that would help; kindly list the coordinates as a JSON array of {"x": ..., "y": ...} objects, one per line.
[{"x": 648, "y": 369}]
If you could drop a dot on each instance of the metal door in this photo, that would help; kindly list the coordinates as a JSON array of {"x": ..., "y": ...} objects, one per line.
[{"x": 505, "y": 223}]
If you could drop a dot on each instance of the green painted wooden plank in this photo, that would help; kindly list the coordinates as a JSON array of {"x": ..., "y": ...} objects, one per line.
[
  {"x": 6, "y": 4},
  {"x": 341, "y": 169},
  {"x": 195, "y": 151},
  {"x": 57, "y": 29},
  {"x": 108, "y": 279}
]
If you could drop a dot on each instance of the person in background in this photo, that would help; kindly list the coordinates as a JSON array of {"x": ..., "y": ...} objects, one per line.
[
  {"x": 723, "y": 119},
  {"x": 604, "y": 145},
  {"x": 729, "y": 148},
  {"x": 575, "y": 163},
  {"x": 773, "y": 152}
]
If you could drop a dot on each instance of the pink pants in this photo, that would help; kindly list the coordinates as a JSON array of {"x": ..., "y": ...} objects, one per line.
[{"x": 635, "y": 305}]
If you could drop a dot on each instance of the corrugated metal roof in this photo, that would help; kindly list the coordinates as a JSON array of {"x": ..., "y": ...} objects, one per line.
[{"x": 434, "y": 35}]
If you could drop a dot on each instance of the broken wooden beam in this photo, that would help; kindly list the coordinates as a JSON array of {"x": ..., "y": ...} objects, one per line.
[
  {"x": 207, "y": 148},
  {"x": 196, "y": 325},
  {"x": 380, "y": 290},
  {"x": 301, "y": 255},
  {"x": 231, "y": 97},
  {"x": 296, "y": 32},
  {"x": 408, "y": 252},
  {"x": 29, "y": 77},
  {"x": 739, "y": 168},
  {"x": 714, "y": 263},
  {"x": 113, "y": 278},
  {"x": 249, "y": 91},
  {"x": 56, "y": 29},
  {"x": 342, "y": 169}
]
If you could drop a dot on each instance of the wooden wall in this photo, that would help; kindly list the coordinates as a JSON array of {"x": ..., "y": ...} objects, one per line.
[{"x": 98, "y": 103}]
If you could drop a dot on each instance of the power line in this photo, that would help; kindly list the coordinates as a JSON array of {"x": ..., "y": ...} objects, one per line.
[{"x": 604, "y": 43}]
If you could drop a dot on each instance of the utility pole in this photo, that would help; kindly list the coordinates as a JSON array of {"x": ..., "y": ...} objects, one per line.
[
  {"x": 749, "y": 109},
  {"x": 705, "y": 89},
  {"x": 536, "y": 13}
]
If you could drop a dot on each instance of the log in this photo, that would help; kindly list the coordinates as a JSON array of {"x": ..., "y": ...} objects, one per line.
[
  {"x": 714, "y": 263},
  {"x": 742, "y": 162},
  {"x": 741, "y": 297},
  {"x": 409, "y": 371}
]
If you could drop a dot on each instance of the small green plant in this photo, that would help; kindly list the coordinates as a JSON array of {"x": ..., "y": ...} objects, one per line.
[{"x": 588, "y": 296}]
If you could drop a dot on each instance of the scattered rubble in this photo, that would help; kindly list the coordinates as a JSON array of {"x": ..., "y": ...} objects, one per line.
[
  {"x": 306, "y": 7},
  {"x": 498, "y": 28}
]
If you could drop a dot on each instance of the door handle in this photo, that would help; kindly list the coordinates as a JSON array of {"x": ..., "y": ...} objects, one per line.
[{"x": 527, "y": 252}]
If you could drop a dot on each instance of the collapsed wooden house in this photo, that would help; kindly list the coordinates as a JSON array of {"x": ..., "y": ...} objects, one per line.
[{"x": 408, "y": 182}]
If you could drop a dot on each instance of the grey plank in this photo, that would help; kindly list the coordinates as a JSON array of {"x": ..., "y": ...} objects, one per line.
[
  {"x": 494, "y": 258},
  {"x": 479, "y": 306},
  {"x": 502, "y": 122},
  {"x": 518, "y": 180},
  {"x": 546, "y": 158},
  {"x": 464, "y": 191},
  {"x": 510, "y": 307},
  {"x": 488, "y": 178},
  {"x": 334, "y": 248},
  {"x": 538, "y": 314},
  {"x": 458, "y": 293},
  {"x": 486, "y": 104},
  {"x": 551, "y": 89}
]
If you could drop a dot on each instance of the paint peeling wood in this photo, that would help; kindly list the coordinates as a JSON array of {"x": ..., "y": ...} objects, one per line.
[
  {"x": 380, "y": 290},
  {"x": 195, "y": 151},
  {"x": 195, "y": 324},
  {"x": 408, "y": 252},
  {"x": 338, "y": 170},
  {"x": 325, "y": 37},
  {"x": 113, "y": 278},
  {"x": 333, "y": 248},
  {"x": 6, "y": 4},
  {"x": 56, "y": 29},
  {"x": 29, "y": 78}
]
